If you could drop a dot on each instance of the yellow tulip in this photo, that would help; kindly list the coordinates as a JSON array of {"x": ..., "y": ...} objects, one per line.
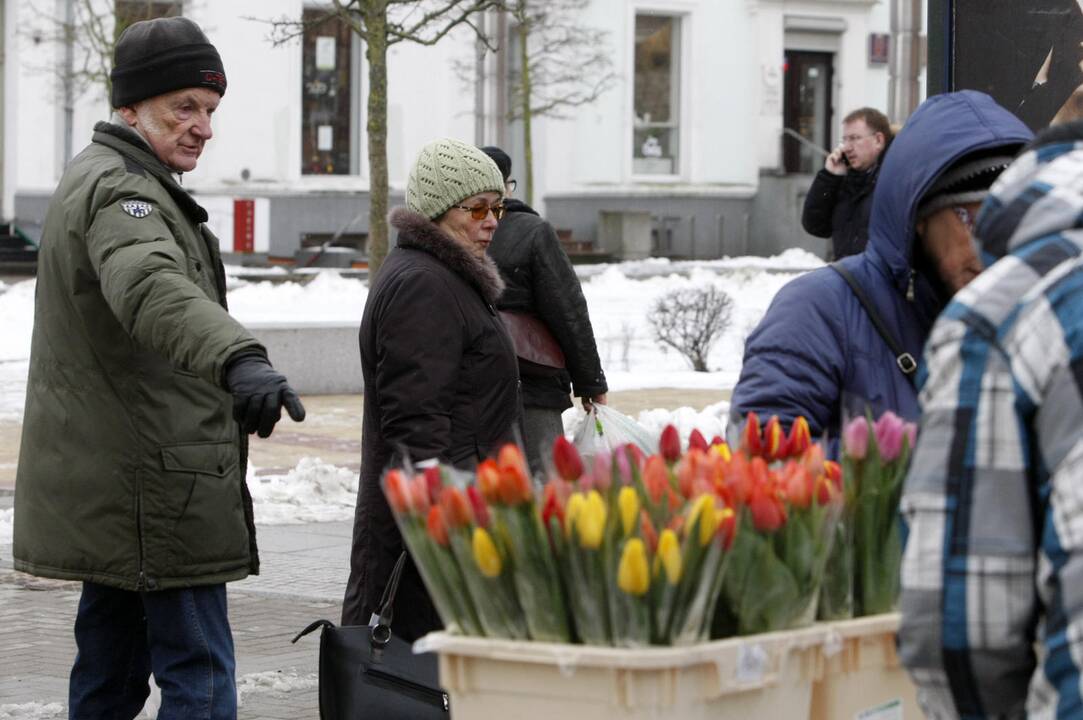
[
  {"x": 708, "y": 518},
  {"x": 571, "y": 511},
  {"x": 628, "y": 502},
  {"x": 632, "y": 575},
  {"x": 722, "y": 451},
  {"x": 591, "y": 521},
  {"x": 669, "y": 556},
  {"x": 485, "y": 554}
]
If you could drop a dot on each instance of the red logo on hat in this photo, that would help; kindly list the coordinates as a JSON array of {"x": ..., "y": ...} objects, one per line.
[{"x": 213, "y": 77}]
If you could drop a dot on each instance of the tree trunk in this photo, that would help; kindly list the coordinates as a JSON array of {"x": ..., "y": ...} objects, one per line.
[
  {"x": 523, "y": 29},
  {"x": 375, "y": 19}
]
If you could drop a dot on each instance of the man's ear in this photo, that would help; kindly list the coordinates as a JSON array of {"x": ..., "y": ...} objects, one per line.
[
  {"x": 128, "y": 113},
  {"x": 919, "y": 229}
]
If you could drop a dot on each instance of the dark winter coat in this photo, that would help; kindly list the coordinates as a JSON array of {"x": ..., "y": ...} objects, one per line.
[
  {"x": 440, "y": 382},
  {"x": 816, "y": 349},
  {"x": 131, "y": 470},
  {"x": 838, "y": 207},
  {"x": 540, "y": 280}
]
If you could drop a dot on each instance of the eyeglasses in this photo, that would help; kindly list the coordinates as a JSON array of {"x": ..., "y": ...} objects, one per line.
[
  {"x": 511, "y": 186},
  {"x": 965, "y": 217},
  {"x": 480, "y": 212},
  {"x": 852, "y": 139}
]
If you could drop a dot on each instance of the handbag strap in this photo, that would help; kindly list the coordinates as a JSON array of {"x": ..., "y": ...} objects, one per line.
[
  {"x": 903, "y": 359},
  {"x": 381, "y": 633}
]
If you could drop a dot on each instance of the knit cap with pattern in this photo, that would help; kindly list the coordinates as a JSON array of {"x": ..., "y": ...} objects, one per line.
[{"x": 446, "y": 172}]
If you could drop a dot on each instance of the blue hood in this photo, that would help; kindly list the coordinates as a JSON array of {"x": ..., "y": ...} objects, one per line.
[{"x": 942, "y": 130}]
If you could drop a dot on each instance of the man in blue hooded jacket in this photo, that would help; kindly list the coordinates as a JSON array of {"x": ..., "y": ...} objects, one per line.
[{"x": 817, "y": 351}]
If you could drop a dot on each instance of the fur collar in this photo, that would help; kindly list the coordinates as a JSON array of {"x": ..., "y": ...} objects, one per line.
[{"x": 419, "y": 233}]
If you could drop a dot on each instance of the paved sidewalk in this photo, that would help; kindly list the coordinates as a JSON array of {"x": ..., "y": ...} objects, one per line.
[{"x": 304, "y": 570}]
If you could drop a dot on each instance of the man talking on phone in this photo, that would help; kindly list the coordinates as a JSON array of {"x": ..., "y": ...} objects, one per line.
[{"x": 840, "y": 199}]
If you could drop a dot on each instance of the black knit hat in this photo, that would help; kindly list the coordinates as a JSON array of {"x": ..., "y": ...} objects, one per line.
[
  {"x": 498, "y": 156},
  {"x": 967, "y": 180},
  {"x": 154, "y": 57}
]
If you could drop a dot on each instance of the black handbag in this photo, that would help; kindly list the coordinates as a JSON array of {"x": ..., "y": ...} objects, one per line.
[{"x": 367, "y": 672}]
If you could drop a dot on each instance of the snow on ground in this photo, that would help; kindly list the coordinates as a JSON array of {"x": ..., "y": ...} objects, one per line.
[
  {"x": 314, "y": 491},
  {"x": 619, "y": 296},
  {"x": 31, "y": 711}
]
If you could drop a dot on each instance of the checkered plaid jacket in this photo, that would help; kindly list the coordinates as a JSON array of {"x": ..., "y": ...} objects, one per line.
[{"x": 992, "y": 575}]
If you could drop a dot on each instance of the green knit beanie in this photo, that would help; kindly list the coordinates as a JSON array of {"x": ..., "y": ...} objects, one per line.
[{"x": 447, "y": 172}]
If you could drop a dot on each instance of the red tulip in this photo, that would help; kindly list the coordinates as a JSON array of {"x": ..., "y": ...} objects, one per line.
[
  {"x": 553, "y": 506},
  {"x": 646, "y": 529},
  {"x": 477, "y": 504},
  {"x": 768, "y": 514},
  {"x": 669, "y": 445},
  {"x": 433, "y": 481},
  {"x": 717, "y": 440},
  {"x": 800, "y": 438},
  {"x": 727, "y": 528},
  {"x": 455, "y": 507},
  {"x": 750, "y": 435},
  {"x": 773, "y": 439},
  {"x": 697, "y": 441},
  {"x": 397, "y": 493},
  {"x": 434, "y": 523},
  {"x": 566, "y": 459}
]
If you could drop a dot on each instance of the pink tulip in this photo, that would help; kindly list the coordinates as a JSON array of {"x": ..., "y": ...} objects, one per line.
[
  {"x": 603, "y": 471},
  {"x": 911, "y": 434},
  {"x": 889, "y": 435},
  {"x": 624, "y": 465},
  {"x": 855, "y": 438}
]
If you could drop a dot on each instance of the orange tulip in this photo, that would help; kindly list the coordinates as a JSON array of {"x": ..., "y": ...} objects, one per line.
[
  {"x": 455, "y": 507},
  {"x": 514, "y": 483},
  {"x": 419, "y": 494},
  {"x": 797, "y": 483},
  {"x": 727, "y": 527},
  {"x": 656, "y": 478},
  {"x": 488, "y": 475},
  {"x": 397, "y": 493},
  {"x": 768, "y": 514},
  {"x": 434, "y": 523},
  {"x": 646, "y": 529}
]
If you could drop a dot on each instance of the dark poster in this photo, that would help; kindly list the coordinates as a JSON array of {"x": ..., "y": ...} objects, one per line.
[{"x": 1025, "y": 53}]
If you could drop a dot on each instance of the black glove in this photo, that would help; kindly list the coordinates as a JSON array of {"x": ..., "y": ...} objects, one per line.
[{"x": 259, "y": 392}]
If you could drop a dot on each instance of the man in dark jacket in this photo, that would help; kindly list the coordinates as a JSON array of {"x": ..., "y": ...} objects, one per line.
[
  {"x": 838, "y": 202},
  {"x": 816, "y": 352},
  {"x": 132, "y": 470},
  {"x": 439, "y": 367},
  {"x": 544, "y": 308}
]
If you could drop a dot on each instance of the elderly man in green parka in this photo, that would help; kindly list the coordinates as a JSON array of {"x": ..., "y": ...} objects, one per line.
[{"x": 141, "y": 392}]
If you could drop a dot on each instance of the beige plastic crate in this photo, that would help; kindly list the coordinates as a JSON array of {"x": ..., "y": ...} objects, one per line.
[
  {"x": 762, "y": 676},
  {"x": 861, "y": 678}
]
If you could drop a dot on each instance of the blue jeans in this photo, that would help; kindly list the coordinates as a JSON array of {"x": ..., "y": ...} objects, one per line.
[{"x": 182, "y": 635}]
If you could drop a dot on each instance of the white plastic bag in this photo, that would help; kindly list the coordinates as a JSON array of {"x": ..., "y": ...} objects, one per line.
[{"x": 605, "y": 429}]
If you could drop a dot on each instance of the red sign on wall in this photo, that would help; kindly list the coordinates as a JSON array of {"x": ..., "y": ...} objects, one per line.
[{"x": 244, "y": 225}]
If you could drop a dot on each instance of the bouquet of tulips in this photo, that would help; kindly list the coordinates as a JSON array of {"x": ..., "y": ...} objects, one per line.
[
  {"x": 875, "y": 456},
  {"x": 791, "y": 500}
]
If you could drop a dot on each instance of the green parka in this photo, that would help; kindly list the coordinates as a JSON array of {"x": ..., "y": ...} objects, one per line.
[{"x": 131, "y": 469}]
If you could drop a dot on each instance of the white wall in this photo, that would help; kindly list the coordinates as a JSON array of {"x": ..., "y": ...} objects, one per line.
[{"x": 732, "y": 52}]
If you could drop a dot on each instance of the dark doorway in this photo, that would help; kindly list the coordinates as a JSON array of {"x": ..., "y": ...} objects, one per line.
[{"x": 807, "y": 109}]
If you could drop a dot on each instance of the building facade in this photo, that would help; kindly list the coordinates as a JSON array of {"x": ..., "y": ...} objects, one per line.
[{"x": 695, "y": 139}]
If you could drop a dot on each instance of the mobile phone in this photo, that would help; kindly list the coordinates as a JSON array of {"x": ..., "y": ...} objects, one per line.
[{"x": 845, "y": 160}]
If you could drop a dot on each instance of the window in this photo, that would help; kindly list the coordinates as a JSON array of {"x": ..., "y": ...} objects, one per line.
[
  {"x": 328, "y": 97},
  {"x": 132, "y": 11},
  {"x": 656, "y": 131}
]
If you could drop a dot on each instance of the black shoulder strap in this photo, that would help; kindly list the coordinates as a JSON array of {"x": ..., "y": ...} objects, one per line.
[{"x": 904, "y": 359}]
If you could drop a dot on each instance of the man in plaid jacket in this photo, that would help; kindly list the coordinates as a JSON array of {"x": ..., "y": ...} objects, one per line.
[{"x": 992, "y": 575}]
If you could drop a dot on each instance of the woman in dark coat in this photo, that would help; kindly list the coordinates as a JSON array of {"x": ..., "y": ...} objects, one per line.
[{"x": 441, "y": 380}]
